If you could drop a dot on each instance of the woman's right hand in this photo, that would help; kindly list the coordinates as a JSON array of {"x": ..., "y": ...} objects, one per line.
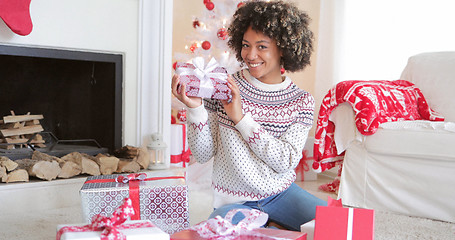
[{"x": 179, "y": 91}]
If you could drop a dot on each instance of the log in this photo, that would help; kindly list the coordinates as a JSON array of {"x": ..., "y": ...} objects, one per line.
[
  {"x": 108, "y": 165},
  {"x": 3, "y": 174},
  {"x": 22, "y": 130},
  {"x": 18, "y": 175},
  {"x": 90, "y": 166},
  {"x": 143, "y": 158},
  {"x": 21, "y": 118},
  {"x": 37, "y": 155},
  {"x": 69, "y": 169},
  {"x": 86, "y": 162},
  {"x": 127, "y": 151},
  {"x": 128, "y": 166},
  {"x": 47, "y": 170},
  {"x": 73, "y": 157},
  {"x": 9, "y": 164}
]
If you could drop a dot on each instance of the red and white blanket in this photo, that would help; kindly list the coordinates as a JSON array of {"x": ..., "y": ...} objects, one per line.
[{"x": 373, "y": 102}]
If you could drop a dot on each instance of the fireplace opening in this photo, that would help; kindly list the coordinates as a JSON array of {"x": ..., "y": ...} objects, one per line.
[{"x": 78, "y": 93}]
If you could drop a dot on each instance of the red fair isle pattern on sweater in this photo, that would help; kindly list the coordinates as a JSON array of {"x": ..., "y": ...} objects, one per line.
[
  {"x": 256, "y": 135},
  {"x": 199, "y": 126},
  {"x": 374, "y": 102},
  {"x": 254, "y": 196}
]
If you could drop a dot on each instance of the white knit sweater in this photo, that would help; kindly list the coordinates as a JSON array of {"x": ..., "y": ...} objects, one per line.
[{"x": 256, "y": 158}]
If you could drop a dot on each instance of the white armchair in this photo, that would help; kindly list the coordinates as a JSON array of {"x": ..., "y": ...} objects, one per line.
[{"x": 405, "y": 167}]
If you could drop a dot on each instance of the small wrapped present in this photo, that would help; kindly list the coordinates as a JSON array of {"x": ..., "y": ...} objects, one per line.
[
  {"x": 304, "y": 171},
  {"x": 308, "y": 228},
  {"x": 115, "y": 227},
  {"x": 248, "y": 228},
  {"x": 180, "y": 152},
  {"x": 337, "y": 222},
  {"x": 205, "y": 81},
  {"x": 162, "y": 199}
]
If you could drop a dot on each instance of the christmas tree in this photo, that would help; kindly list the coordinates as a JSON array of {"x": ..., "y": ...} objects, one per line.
[{"x": 210, "y": 35}]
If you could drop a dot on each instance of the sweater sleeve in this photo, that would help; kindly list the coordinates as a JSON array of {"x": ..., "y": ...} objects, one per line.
[
  {"x": 202, "y": 134},
  {"x": 285, "y": 152}
]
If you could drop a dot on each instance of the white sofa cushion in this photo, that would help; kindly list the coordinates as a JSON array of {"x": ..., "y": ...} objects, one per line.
[
  {"x": 434, "y": 74},
  {"x": 415, "y": 139}
]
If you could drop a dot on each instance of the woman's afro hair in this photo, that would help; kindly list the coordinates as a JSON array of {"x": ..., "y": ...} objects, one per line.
[{"x": 280, "y": 21}]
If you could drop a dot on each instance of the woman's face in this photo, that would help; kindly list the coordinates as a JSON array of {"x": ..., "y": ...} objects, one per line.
[{"x": 262, "y": 56}]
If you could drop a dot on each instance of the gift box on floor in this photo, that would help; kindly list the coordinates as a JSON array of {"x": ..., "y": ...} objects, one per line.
[
  {"x": 180, "y": 152},
  {"x": 114, "y": 227},
  {"x": 304, "y": 171},
  {"x": 205, "y": 81},
  {"x": 248, "y": 228},
  {"x": 133, "y": 230},
  {"x": 336, "y": 223},
  {"x": 308, "y": 228},
  {"x": 161, "y": 197}
]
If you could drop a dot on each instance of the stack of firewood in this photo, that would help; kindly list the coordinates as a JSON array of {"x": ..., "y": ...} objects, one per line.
[
  {"x": 43, "y": 166},
  {"x": 16, "y": 131}
]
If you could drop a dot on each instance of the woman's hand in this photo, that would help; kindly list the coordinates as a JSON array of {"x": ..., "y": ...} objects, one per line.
[
  {"x": 179, "y": 91},
  {"x": 234, "y": 108}
]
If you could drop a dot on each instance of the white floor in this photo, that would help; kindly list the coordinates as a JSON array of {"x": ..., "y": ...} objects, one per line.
[{"x": 31, "y": 211}]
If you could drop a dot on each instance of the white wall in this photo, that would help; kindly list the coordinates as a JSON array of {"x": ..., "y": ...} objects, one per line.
[{"x": 113, "y": 26}]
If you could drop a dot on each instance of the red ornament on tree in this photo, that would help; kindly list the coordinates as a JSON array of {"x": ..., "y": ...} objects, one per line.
[
  {"x": 182, "y": 115},
  {"x": 210, "y": 6},
  {"x": 206, "y": 45},
  {"x": 193, "y": 47},
  {"x": 222, "y": 33},
  {"x": 196, "y": 23}
]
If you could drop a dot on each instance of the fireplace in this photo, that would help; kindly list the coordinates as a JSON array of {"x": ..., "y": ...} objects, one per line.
[{"x": 78, "y": 93}]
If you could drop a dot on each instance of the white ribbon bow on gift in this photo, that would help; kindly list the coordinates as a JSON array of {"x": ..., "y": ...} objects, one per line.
[
  {"x": 223, "y": 228},
  {"x": 203, "y": 72}
]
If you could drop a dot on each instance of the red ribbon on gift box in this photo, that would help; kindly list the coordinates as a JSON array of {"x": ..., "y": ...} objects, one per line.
[
  {"x": 303, "y": 167},
  {"x": 184, "y": 157},
  {"x": 133, "y": 181},
  {"x": 109, "y": 227}
]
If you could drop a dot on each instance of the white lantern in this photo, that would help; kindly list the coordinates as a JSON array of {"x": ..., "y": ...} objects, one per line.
[{"x": 157, "y": 149}]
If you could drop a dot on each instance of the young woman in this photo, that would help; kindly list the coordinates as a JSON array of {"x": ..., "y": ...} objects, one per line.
[{"x": 257, "y": 139}]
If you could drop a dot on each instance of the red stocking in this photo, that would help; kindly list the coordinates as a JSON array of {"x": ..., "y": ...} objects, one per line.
[{"x": 16, "y": 14}]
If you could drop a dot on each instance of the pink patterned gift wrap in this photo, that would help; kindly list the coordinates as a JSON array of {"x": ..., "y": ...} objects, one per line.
[
  {"x": 205, "y": 81},
  {"x": 161, "y": 198},
  {"x": 248, "y": 228}
]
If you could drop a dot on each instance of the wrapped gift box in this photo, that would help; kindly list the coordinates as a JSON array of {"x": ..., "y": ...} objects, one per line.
[
  {"x": 304, "y": 171},
  {"x": 180, "y": 152},
  {"x": 308, "y": 228},
  {"x": 205, "y": 81},
  {"x": 337, "y": 223},
  {"x": 162, "y": 198},
  {"x": 247, "y": 229},
  {"x": 257, "y": 234},
  {"x": 133, "y": 230}
]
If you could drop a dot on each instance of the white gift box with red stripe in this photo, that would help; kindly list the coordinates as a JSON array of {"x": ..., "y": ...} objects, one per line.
[
  {"x": 148, "y": 231},
  {"x": 180, "y": 151}
]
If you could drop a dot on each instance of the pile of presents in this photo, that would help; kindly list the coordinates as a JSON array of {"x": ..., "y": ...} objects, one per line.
[
  {"x": 154, "y": 205},
  {"x": 140, "y": 206}
]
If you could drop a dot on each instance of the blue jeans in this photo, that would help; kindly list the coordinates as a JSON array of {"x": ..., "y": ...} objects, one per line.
[{"x": 290, "y": 209}]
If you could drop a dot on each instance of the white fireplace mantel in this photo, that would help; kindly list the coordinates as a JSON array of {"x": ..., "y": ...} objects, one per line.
[{"x": 139, "y": 30}]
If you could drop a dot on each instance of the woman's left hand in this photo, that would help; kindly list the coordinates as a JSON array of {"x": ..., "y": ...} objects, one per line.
[{"x": 234, "y": 108}]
